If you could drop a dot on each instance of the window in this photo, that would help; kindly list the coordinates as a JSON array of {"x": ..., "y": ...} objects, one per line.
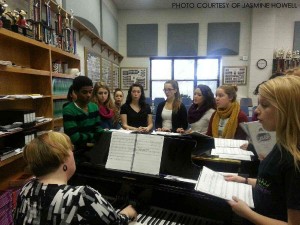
[{"x": 188, "y": 71}]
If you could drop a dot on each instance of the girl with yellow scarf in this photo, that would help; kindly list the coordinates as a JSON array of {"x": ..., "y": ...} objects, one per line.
[{"x": 224, "y": 123}]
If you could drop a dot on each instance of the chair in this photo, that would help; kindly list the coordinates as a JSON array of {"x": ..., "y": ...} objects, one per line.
[
  {"x": 149, "y": 101},
  {"x": 186, "y": 101},
  {"x": 246, "y": 102},
  {"x": 158, "y": 100},
  {"x": 245, "y": 109}
]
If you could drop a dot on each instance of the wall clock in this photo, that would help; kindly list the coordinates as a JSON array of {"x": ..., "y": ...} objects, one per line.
[{"x": 261, "y": 64}]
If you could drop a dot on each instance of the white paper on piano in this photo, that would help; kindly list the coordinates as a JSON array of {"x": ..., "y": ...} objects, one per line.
[
  {"x": 121, "y": 148},
  {"x": 213, "y": 183},
  {"x": 148, "y": 151},
  {"x": 262, "y": 140},
  {"x": 166, "y": 133},
  {"x": 230, "y": 151},
  {"x": 230, "y": 143},
  {"x": 135, "y": 152}
]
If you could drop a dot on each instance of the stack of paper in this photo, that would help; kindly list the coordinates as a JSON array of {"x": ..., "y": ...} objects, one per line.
[
  {"x": 213, "y": 183},
  {"x": 230, "y": 149}
]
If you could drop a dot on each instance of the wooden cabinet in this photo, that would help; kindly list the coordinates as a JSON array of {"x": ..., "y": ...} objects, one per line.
[{"x": 30, "y": 74}]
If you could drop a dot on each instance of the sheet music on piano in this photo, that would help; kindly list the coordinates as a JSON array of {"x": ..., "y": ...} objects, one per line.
[
  {"x": 230, "y": 143},
  {"x": 135, "y": 152},
  {"x": 213, "y": 183}
]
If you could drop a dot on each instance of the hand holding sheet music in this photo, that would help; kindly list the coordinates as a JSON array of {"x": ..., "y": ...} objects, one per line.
[{"x": 213, "y": 183}]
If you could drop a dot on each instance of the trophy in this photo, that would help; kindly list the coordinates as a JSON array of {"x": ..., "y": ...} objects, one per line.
[
  {"x": 288, "y": 60},
  {"x": 58, "y": 28},
  {"x": 66, "y": 34},
  {"x": 4, "y": 22},
  {"x": 14, "y": 16},
  {"x": 73, "y": 34},
  {"x": 59, "y": 21},
  {"x": 47, "y": 28},
  {"x": 37, "y": 12}
]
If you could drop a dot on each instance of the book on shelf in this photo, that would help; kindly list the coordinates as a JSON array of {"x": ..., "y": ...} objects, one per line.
[
  {"x": 262, "y": 140},
  {"x": 213, "y": 183},
  {"x": 135, "y": 152},
  {"x": 11, "y": 153}
]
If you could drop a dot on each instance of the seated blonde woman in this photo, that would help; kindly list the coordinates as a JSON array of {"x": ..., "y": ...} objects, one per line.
[{"x": 48, "y": 199}]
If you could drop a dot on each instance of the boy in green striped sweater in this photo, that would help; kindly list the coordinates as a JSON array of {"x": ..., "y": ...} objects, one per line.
[{"x": 81, "y": 118}]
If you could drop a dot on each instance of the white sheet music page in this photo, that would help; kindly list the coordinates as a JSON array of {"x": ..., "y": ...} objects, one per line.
[
  {"x": 121, "y": 151},
  {"x": 213, "y": 183},
  {"x": 148, "y": 153},
  {"x": 231, "y": 143},
  {"x": 230, "y": 151}
]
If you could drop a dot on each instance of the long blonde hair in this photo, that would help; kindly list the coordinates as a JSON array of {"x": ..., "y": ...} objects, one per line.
[
  {"x": 108, "y": 103},
  {"x": 283, "y": 93}
]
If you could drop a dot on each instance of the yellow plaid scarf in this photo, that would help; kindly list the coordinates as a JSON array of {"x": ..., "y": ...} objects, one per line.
[{"x": 229, "y": 130}]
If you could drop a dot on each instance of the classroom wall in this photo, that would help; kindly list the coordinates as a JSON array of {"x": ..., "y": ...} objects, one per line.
[{"x": 262, "y": 31}]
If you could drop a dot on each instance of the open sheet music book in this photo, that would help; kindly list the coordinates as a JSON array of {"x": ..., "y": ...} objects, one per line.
[
  {"x": 262, "y": 140},
  {"x": 135, "y": 152},
  {"x": 213, "y": 183}
]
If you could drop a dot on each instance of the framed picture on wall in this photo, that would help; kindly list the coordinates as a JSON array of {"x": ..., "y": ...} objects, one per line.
[
  {"x": 131, "y": 75},
  {"x": 236, "y": 75},
  {"x": 92, "y": 64}
]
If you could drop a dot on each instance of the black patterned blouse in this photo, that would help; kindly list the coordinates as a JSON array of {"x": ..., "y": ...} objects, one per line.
[{"x": 54, "y": 204}]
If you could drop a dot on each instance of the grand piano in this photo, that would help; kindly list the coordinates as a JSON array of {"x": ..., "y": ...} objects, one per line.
[{"x": 157, "y": 200}]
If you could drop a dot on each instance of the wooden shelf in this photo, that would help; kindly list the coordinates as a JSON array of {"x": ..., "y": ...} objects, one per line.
[
  {"x": 62, "y": 52},
  {"x": 23, "y": 99},
  {"x": 11, "y": 133},
  {"x": 10, "y": 159},
  {"x": 58, "y": 122},
  {"x": 13, "y": 35},
  {"x": 95, "y": 39},
  {"x": 63, "y": 75},
  {"x": 58, "y": 97},
  {"x": 42, "y": 123},
  {"x": 22, "y": 70}
]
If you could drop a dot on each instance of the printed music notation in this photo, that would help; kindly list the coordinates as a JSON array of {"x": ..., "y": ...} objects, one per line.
[
  {"x": 135, "y": 152},
  {"x": 213, "y": 183}
]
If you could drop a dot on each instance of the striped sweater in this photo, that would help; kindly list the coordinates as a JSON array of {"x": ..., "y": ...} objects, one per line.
[{"x": 80, "y": 126}]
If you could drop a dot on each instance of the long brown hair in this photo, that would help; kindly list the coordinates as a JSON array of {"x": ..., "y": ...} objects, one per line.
[
  {"x": 177, "y": 100},
  {"x": 108, "y": 103}
]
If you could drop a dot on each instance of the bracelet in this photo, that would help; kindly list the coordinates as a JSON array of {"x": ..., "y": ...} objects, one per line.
[{"x": 246, "y": 180}]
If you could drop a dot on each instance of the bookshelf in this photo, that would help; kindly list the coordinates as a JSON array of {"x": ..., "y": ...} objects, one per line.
[{"x": 30, "y": 74}]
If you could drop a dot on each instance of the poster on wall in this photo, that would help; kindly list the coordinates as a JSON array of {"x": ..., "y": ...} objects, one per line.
[
  {"x": 106, "y": 72},
  {"x": 236, "y": 75},
  {"x": 116, "y": 76},
  {"x": 131, "y": 75},
  {"x": 92, "y": 64}
]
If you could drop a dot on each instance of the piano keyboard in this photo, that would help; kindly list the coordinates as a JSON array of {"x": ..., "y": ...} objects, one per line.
[{"x": 158, "y": 216}]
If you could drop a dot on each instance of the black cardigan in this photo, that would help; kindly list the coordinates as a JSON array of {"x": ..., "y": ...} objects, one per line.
[{"x": 179, "y": 119}]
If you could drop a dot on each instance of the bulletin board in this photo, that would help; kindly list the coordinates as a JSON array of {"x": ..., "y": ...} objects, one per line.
[
  {"x": 92, "y": 64},
  {"x": 116, "y": 76},
  {"x": 106, "y": 72},
  {"x": 236, "y": 75},
  {"x": 131, "y": 75}
]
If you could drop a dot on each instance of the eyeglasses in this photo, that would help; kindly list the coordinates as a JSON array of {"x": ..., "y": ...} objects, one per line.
[{"x": 168, "y": 90}]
